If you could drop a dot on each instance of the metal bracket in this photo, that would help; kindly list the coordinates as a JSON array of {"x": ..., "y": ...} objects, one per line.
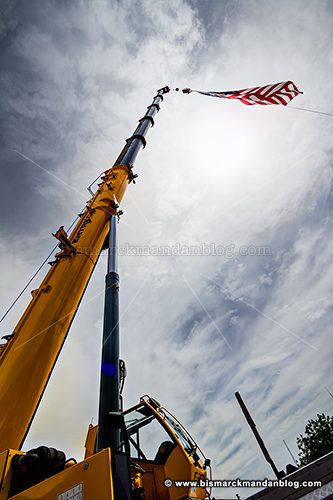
[
  {"x": 67, "y": 249},
  {"x": 154, "y": 105},
  {"x": 164, "y": 90},
  {"x": 132, "y": 177},
  {"x": 7, "y": 337},
  {"x": 115, "y": 211},
  {"x": 130, "y": 174},
  {"x": 108, "y": 175},
  {"x": 119, "y": 214},
  {"x": 137, "y": 136},
  {"x": 111, "y": 209},
  {"x": 149, "y": 118}
]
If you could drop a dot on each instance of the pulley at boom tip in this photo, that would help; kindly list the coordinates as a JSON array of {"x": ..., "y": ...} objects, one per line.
[{"x": 164, "y": 90}]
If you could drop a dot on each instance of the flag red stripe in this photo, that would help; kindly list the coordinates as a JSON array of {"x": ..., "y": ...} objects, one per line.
[{"x": 277, "y": 93}]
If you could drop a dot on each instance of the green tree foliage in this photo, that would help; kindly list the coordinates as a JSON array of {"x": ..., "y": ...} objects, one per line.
[{"x": 317, "y": 439}]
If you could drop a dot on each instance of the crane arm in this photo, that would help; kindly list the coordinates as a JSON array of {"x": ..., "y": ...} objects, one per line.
[{"x": 27, "y": 361}]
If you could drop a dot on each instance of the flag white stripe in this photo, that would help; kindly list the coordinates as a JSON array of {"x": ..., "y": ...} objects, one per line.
[
  {"x": 277, "y": 87},
  {"x": 277, "y": 93},
  {"x": 268, "y": 89}
]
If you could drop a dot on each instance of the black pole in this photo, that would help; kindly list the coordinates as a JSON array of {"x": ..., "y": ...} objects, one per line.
[
  {"x": 109, "y": 435},
  {"x": 109, "y": 400},
  {"x": 256, "y": 434},
  {"x": 137, "y": 140}
]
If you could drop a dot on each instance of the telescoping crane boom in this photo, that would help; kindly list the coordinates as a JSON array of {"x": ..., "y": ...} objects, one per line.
[{"x": 137, "y": 453}]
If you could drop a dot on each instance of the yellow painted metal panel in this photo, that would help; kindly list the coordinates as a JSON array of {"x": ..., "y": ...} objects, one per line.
[
  {"x": 5, "y": 472},
  {"x": 179, "y": 466},
  {"x": 90, "y": 440},
  {"x": 89, "y": 480},
  {"x": 153, "y": 481}
]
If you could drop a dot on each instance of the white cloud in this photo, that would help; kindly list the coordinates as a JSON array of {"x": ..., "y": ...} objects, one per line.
[{"x": 214, "y": 171}]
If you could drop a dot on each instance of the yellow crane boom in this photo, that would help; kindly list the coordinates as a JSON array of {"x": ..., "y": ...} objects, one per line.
[
  {"x": 29, "y": 357},
  {"x": 27, "y": 360},
  {"x": 119, "y": 463}
]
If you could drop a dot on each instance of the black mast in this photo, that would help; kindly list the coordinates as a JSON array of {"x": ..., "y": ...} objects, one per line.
[
  {"x": 109, "y": 400},
  {"x": 109, "y": 436}
]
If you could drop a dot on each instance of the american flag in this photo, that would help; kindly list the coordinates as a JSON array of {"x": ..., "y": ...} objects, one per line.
[{"x": 276, "y": 93}]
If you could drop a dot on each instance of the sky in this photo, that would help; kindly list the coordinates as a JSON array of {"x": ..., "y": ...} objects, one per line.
[{"x": 249, "y": 188}]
